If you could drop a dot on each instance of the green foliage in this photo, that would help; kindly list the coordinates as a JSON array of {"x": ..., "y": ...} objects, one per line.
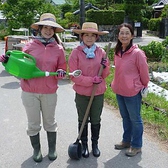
[
  {"x": 105, "y": 17},
  {"x": 154, "y": 51},
  {"x": 156, "y": 120},
  {"x": 134, "y": 11},
  {"x": 157, "y": 101},
  {"x": 165, "y": 42},
  {"x": 110, "y": 54},
  {"x": 3, "y": 32},
  {"x": 70, "y": 16},
  {"x": 147, "y": 12},
  {"x": 134, "y": 1},
  {"x": 164, "y": 13},
  {"x": 146, "y": 15},
  {"x": 65, "y": 8},
  {"x": 145, "y": 23},
  {"x": 23, "y": 13},
  {"x": 154, "y": 24},
  {"x": 110, "y": 96},
  {"x": 69, "y": 21}
]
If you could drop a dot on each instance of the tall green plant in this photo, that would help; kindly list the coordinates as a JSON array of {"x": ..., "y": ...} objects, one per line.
[
  {"x": 154, "y": 51},
  {"x": 23, "y": 13}
]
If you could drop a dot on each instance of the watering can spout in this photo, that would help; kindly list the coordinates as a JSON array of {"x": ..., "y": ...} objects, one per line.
[{"x": 38, "y": 73}]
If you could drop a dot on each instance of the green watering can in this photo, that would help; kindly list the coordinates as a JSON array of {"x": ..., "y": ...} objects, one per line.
[{"x": 23, "y": 65}]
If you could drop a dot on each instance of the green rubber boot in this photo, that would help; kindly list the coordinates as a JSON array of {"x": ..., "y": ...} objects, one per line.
[
  {"x": 52, "y": 154},
  {"x": 35, "y": 141}
]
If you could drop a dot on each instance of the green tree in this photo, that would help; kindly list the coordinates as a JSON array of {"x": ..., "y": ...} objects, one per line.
[
  {"x": 23, "y": 13},
  {"x": 164, "y": 13},
  {"x": 134, "y": 9}
]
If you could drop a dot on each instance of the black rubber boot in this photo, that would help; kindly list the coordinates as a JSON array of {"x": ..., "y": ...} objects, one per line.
[
  {"x": 95, "y": 129},
  {"x": 84, "y": 139},
  {"x": 35, "y": 141},
  {"x": 52, "y": 154}
]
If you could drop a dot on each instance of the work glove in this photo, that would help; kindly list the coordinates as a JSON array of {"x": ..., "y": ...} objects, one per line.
[
  {"x": 97, "y": 79},
  {"x": 104, "y": 62},
  {"x": 61, "y": 73},
  {"x": 144, "y": 92},
  {"x": 4, "y": 58}
]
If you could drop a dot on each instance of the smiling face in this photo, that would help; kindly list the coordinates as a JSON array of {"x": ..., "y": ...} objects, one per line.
[
  {"x": 125, "y": 36},
  {"x": 89, "y": 39},
  {"x": 47, "y": 31}
]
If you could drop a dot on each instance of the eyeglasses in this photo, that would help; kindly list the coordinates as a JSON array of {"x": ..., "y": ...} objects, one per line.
[{"x": 124, "y": 33}]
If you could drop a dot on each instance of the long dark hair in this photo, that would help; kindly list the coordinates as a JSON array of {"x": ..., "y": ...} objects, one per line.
[{"x": 119, "y": 44}]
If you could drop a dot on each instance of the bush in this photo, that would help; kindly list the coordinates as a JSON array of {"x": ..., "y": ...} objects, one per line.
[
  {"x": 154, "y": 51},
  {"x": 106, "y": 17},
  {"x": 154, "y": 24},
  {"x": 145, "y": 22}
]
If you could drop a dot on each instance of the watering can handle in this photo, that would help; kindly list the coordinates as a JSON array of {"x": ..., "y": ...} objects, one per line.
[
  {"x": 30, "y": 56},
  {"x": 24, "y": 55}
]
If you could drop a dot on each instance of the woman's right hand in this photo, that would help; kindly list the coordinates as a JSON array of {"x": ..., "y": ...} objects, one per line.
[
  {"x": 4, "y": 58},
  {"x": 97, "y": 80}
]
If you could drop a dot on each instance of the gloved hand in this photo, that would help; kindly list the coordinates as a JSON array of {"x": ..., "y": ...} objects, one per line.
[
  {"x": 4, "y": 58},
  {"x": 61, "y": 73},
  {"x": 104, "y": 62},
  {"x": 144, "y": 92},
  {"x": 97, "y": 79}
]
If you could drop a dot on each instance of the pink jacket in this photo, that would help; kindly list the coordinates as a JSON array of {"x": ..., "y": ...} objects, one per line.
[
  {"x": 131, "y": 72},
  {"x": 83, "y": 84},
  {"x": 48, "y": 58}
]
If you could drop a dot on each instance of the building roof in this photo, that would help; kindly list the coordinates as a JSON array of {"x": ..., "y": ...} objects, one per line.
[
  {"x": 58, "y": 2},
  {"x": 162, "y": 2},
  {"x": 1, "y": 16},
  {"x": 160, "y": 5}
]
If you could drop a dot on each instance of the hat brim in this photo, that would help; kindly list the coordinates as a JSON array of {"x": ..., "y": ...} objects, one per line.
[
  {"x": 78, "y": 31},
  {"x": 58, "y": 27}
]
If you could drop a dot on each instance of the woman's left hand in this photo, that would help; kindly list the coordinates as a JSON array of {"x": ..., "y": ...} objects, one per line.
[{"x": 61, "y": 73}]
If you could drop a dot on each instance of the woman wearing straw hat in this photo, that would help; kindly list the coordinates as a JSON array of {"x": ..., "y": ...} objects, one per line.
[
  {"x": 88, "y": 57},
  {"x": 39, "y": 94}
]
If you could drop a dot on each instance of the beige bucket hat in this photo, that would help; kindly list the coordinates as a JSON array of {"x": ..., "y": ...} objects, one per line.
[
  {"x": 48, "y": 19},
  {"x": 89, "y": 27}
]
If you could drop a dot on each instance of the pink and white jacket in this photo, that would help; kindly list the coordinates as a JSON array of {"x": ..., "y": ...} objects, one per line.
[
  {"x": 48, "y": 58},
  {"x": 131, "y": 72},
  {"x": 83, "y": 84}
]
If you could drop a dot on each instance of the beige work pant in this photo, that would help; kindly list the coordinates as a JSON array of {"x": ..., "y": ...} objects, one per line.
[{"x": 40, "y": 106}]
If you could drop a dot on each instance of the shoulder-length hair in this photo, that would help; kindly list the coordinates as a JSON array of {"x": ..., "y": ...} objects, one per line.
[{"x": 119, "y": 44}]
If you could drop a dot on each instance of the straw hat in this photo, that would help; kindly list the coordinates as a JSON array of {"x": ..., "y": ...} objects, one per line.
[
  {"x": 89, "y": 27},
  {"x": 48, "y": 19}
]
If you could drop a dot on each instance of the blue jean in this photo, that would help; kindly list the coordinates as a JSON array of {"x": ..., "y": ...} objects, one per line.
[{"x": 130, "y": 109}]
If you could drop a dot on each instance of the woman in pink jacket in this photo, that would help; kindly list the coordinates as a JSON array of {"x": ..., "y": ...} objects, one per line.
[
  {"x": 88, "y": 57},
  {"x": 39, "y": 95},
  {"x": 131, "y": 76}
]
